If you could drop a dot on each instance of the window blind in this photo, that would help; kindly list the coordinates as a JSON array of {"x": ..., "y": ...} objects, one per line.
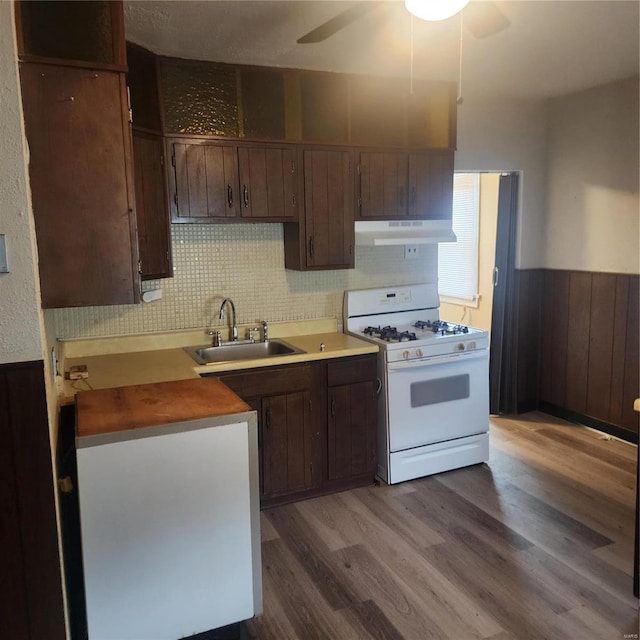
[{"x": 458, "y": 261}]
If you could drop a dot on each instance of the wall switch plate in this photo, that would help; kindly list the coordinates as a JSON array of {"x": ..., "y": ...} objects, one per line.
[
  {"x": 4, "y": 265},
  {"x": 410, "y": 251}
]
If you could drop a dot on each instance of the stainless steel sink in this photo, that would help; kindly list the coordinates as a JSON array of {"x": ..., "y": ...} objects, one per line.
[{"x": 232, "y": 352}]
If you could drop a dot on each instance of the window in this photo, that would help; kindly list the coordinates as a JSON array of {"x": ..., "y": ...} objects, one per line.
[{"x": 458, "y": 261}]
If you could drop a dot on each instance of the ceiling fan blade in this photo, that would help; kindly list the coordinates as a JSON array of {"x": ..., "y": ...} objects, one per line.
[
  {"x": 484, "y": 19},
  {"x": 338, "y": 22}
]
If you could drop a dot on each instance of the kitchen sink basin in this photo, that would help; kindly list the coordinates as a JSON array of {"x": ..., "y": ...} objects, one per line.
[{"x": 231, "y": 352}]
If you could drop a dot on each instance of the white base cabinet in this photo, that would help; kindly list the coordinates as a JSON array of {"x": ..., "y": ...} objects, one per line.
[{"x": 170, "y": 529}]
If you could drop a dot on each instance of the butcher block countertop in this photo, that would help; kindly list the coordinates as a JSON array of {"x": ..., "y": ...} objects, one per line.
[
  {"x": 108, "y": 369},
  {"x": 109, "y": 411}
]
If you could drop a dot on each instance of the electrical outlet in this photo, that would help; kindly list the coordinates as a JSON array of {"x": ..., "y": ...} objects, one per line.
[
  {"x": 410, "y": 251},
  {"x": 77, "y": 372}
]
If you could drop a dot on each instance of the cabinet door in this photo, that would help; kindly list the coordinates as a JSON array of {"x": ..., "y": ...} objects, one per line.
[
  {"x": 431, "y": 185},
  {"x": 82, "y": 185},
  {"x": 268, "y": 182},
  {"x": 351, "y": 435},
  {"x": 205, "y": 182},
  {"x": 151, "y": 206},
  {"x": 287, "y": 444},
  {"x": 383, "y": 185},
  {"x": 328, "y": 202}
]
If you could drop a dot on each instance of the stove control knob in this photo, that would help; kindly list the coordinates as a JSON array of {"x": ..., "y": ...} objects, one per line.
[
  {"x": 419, "y": 353},
  {"x": 471, "y": 345},
  {"x": 460, "y": 346},
  {"x": 405, "y": 354}
]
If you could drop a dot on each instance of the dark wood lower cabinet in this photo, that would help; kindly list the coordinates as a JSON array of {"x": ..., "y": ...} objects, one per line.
[
  {"x": 288, "y": 428},
  {"x": 317, "y": 425},
  {"x": 351, "y": 418},
  {"x": 287, "y": 444},
  {"x": 351, "y": 431}
]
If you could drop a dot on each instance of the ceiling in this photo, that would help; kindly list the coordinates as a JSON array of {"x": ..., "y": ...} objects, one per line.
[{"x": 551, "y": 47}]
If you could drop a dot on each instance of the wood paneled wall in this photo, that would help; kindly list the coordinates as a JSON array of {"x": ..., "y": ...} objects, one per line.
[
  {"x": 528, "y": 292},
  {"x": 578, "y": 347},
  {"x": 31, "y": 606}
]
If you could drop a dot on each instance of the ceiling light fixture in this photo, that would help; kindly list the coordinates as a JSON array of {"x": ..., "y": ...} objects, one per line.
[{"x": 434, "y": 9}]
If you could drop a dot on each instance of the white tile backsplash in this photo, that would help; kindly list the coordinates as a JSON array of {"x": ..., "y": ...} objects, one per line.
[{"x": 246, "y": 263}]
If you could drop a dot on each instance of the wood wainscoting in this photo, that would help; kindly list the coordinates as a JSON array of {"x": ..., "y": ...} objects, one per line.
[
  {"x": 31, "y": 607},
  {"x": 577, "y": 347}
]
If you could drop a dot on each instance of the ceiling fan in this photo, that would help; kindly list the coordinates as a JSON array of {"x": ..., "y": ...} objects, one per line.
[{"x": 483, "y": 19}]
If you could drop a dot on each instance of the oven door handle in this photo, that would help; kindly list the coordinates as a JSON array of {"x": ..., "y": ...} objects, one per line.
[{"x": 436, "y": 360}]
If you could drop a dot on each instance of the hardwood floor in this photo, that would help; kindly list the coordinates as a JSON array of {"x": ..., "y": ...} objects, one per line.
[{"x": 536, "y": 544}]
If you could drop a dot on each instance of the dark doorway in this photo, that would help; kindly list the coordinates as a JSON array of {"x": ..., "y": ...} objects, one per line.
[{"x": 502, "y": 386}]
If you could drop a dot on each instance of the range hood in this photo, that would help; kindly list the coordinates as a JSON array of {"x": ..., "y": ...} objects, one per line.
[{"x": 395, "y": 232}]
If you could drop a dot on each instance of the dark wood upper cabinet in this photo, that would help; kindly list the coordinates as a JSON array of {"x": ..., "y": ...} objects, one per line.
[
  {"x": 142, "y": 78},
  {"x": 81, "y": 178},
  {"x": 324, "y": 105},
  {"x": 75, "y": 33},
  {"x": 152, "y": 207},
  {"x": 263, "y": 103},
  {"x": 295, "y": 105},
  {"x": 225, "y": 182},
  {"x": 377, "y": 111},
  {"x": 324, "y": 237},
  {"x": 152, "y": 211},
  {"x": 199, "y": 98},
  {"x": 431, "y": 185},
  {"x": 268, "y": 182},
  {"x": 383, "y": 184},
  {"x": 398, "y": 184},
  {"x": 203, "y": 181}
]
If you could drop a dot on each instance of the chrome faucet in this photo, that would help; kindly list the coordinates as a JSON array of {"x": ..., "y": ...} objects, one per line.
[{"x": 234, "y": 327}]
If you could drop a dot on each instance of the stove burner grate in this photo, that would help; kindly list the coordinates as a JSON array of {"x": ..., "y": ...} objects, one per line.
[
  {"x": 390, "y": 334},
  {"x": 441, "y": 327}
]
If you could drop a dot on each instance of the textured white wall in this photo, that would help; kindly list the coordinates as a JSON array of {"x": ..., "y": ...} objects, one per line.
[
  {"x": 503, "y": 134},
  {"x": 593, "y": 205},
  {"x": 20, "y": 339}
]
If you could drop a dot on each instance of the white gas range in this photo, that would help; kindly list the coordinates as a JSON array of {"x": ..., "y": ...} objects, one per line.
[{"x": 434, "y": 402}]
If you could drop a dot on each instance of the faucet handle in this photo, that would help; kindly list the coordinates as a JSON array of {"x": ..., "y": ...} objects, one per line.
[{"x": 265, "y": 331}]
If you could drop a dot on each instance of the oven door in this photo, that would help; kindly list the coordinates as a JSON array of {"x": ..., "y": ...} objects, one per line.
[{"x": 437, "y": 399}]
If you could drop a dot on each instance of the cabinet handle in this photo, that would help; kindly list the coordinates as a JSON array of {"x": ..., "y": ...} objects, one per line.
[
  {"x": 378, "y": 387},
  {"x": 311, "y": 246},
  {"x": 230, "y": 195},
  {"x": 333, "y": 406},
  {"x": 268, "y": 418},
  {"x": 245, "y": 195}
]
